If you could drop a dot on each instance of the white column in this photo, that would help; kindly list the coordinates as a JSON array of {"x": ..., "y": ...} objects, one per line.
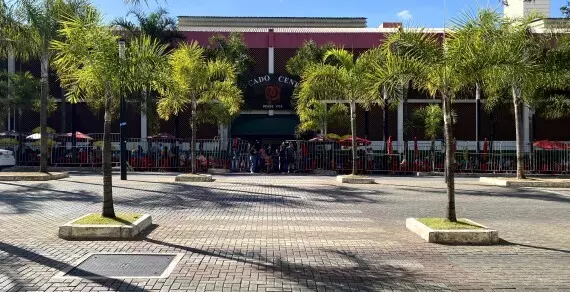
[
  {"x": 11, "y": 70},
  {"x": 144, "y": 118},
  {"x": 526, "y": 125},
  {"x": 401, "y": 126},
  {"x": 271, "y": 62}
]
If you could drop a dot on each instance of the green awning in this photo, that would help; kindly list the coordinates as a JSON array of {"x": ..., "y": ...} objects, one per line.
[{"x": 264, "y": 125}]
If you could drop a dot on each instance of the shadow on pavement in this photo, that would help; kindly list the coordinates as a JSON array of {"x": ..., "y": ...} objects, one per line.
[
  {"x": 25, "y": 199},
  {"x": 359, "y": 275},
  {"x": 16, "y": 252}
]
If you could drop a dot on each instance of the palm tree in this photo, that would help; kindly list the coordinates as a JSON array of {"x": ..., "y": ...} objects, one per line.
[
  {"x": 339, "y": 81},
  {"x": 158, "y": 26},
  {"x": 42, "y": 19},
  {"x": 195, "y": 80},
  {"x": 437, "y": 74},
  {"x": 91, "y": 69},
  {"x": 517, "y": 63},
  {"x": 473, "y": 36}
]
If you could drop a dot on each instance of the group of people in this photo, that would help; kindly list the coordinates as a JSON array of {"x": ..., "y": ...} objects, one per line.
[{"x": 265, "y": 158}]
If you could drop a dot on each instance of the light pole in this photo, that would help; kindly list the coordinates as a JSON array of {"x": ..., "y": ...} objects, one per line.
[{"x": 122, "y": 122}]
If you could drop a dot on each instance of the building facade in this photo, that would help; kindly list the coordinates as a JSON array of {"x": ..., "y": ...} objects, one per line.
[{"x": 269, "y": 112}]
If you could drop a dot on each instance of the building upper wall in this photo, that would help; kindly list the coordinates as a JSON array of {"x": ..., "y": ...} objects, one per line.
[
  {"x": 273, "y": 22},
  {"x": 522, "y": 8}
]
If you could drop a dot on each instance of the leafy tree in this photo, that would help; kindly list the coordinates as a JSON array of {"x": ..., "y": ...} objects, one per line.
[
  {"x": 195, "y": 80},
  {"x": 340, "y": 82},
  {"x": 42, "y": 22},
  {"x": 310, "y": 53},
  {"x": 565, "y": 9},
  {"x": 158, "y": 26},
  {"x": 314, "y": 116},
  {"x": 517, "y": 58},
  {"x": 91, "y": 69},
  {"x": 232, "y": 49},
  {"x": 437, "y": 74}
]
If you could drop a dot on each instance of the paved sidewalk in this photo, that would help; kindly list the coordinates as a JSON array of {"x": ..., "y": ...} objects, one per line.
[{"x": 290, "y": 233}]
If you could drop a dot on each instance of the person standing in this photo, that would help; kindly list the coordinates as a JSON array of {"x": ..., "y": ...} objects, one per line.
[
  {"x": 252, "y": 158},
  {"x": 290, "y": 158},
  {"x": 234, "y": 156},
  {"x": 282, "y": 158}
]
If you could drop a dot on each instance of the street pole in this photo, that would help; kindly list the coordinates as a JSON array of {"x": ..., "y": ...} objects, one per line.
[{"x": 122, "y": 122}]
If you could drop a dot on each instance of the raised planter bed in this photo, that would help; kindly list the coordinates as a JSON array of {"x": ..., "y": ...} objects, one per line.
[
  {"x": 474, "y": 234},
  {"x": 32, "y": 176},
  {"x": 119, "y": 230},
  {"x": 529, "y": 182},
  {"x": 194, "y": 178},
  {"x": 354, "y": 179}
]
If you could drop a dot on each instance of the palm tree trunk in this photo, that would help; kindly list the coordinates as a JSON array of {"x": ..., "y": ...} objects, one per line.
[
  {"x": 517, "y": 103},
  {"x": 385, "y": 117},
  {"x": 193, "y": 125},
  {"x": 43, "y": 113},
  {"x": 353, "y": 133},
  {"x": 449, "y": 159},
  {"x": 108, "y": 209}
]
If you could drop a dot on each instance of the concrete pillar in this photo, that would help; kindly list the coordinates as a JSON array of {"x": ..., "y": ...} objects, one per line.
[
  {"x": 11, "y": 70},
  {"x": 144, "y": 118},
  {"x": 401, "y": 126},
  {"x": 526, "y": 126}
]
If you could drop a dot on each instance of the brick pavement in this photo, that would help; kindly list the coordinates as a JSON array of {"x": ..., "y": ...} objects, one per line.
[{"x": 290, "y": 233}]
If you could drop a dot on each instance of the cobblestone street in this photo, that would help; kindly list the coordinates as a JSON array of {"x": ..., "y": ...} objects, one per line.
[{"x": 289, "y": 233}]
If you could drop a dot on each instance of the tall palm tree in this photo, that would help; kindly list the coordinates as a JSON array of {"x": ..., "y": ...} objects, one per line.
[
  {"x": 517, "y": 63},
  {"x": 437, "y": 74},
  {"x": 474, "y": 34},
  {"x": 91, "y": 69},
  {"x": 195, "y": 80},
  {"x": 42, "y": 19},
  {"x": 340, "y": 82}
]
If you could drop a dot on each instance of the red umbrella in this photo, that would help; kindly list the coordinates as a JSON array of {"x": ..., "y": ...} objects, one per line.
[
  {"x": 164, "y": 136},
  {"x": 78, "y": 135},
  {"x": 390, "y": 145},
  {"x": 359, "y": 141},
  {"x": 551, "y": 145},
  {"x": 416, "y": 147}
]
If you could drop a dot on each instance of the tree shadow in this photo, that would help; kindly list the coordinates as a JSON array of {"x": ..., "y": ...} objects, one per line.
[
  {"x": 25, "y": 199},
  {"x": 15, "y": 252},
  {"x": 356, "y": 274},
  {"x": 330, "y": 193},
  {"x": 185, "y": 196},
  {"x": 508, "y": 243},
  {"x": 519, "y": 193}
]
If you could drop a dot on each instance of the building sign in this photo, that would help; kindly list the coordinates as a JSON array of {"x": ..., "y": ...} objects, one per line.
[{"x": 270, "y": 91}]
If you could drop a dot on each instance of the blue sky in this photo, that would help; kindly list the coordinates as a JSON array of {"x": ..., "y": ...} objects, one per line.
[{"x": 428, "y": 13}]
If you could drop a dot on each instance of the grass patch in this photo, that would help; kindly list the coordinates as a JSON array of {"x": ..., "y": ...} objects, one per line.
[
  {"x": 120, "y": 219},
  {"x": 444, "y": 224}
]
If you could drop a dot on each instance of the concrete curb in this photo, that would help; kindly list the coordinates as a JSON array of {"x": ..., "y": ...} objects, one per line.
[
  {"x": 354, "y": 179},
  {"x": 455, "y": 236},
  {"x": 551, "y": 183},
  {"x": 194, "y": 178},
  {"x": 99, "y": 231},
  {"x": 28, "y": 176},
  {"x": 218, "y": 171}
]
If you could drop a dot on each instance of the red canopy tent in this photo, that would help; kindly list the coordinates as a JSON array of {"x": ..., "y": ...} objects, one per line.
[
  {"x": 359, "y": 141},
  {"x": 551, "y": 145},
  {"x": 78, "y": 135}
]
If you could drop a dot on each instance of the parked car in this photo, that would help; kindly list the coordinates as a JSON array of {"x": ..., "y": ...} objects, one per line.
[{"x": 7, "y": 158}]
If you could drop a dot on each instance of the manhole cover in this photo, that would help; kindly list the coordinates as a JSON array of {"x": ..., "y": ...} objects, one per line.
[{"x": 124, "y": 266}]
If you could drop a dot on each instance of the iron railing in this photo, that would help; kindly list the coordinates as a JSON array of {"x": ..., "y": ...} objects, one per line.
[{"x": 301, "y": 156}]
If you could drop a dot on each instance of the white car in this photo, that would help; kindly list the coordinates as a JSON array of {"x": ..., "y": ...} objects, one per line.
[{"x": 7, "y": 158}]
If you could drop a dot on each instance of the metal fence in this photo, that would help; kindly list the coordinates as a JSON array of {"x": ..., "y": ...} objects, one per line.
[{"x": 301, "y": 156}]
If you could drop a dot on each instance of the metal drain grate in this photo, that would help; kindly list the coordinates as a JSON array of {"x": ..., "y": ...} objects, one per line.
[{"x": 124, "y": 266}]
